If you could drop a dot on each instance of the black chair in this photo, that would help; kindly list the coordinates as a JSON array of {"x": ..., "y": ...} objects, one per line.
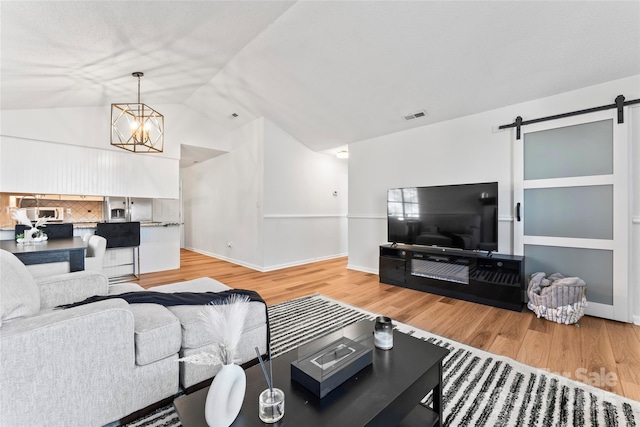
[
  {"x": 53, "y": 231},
  {"x": 120, "y": 234},
  {"x": 19, "y": 229}
]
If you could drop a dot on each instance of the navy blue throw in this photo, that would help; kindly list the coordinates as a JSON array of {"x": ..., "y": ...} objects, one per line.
[{"x": 178, "y": 298}]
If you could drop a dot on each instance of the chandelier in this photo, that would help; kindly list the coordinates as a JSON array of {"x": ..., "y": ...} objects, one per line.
[{"x": 137, "y": 127}]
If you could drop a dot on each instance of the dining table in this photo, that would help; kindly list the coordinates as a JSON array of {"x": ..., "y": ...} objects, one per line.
[{"x": 69, "y": 249}]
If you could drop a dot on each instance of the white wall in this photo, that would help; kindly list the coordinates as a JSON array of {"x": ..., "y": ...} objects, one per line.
[
  {"x": 443, "y": 153},
  {"x": 303, "y": 220},
  {"x": 67, "y": 150},
  {"x": 222, "y": 200},
  {"x": 90, "y": 127},
  {"x": 270, "y": 197},
  {"x": 186, "y": 126},
  {"x": 462, "y": 151}
]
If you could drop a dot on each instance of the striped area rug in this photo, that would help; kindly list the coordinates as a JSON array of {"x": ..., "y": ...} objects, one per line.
[{"x": 480, "y": 388}]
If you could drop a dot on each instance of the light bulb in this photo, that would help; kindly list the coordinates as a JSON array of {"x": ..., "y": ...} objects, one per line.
[{"x": 140, "y": 131}]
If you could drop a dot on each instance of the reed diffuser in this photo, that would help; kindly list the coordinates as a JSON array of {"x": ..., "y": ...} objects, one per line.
[{"x": 271, "y": 400}]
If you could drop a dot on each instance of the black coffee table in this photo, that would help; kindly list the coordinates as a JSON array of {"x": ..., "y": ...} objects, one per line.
[{"x": 386, "y": 393}]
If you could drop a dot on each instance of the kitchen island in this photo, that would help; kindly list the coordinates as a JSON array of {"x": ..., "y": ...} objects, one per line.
[{"x": 159, "y": 248}]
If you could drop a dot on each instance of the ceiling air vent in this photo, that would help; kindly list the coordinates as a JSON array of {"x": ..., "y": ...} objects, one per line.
[{"x": 419, "y": 114}]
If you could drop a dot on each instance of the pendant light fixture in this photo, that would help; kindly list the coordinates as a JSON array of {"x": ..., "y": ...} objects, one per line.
[{"x": 137, "y": 127}]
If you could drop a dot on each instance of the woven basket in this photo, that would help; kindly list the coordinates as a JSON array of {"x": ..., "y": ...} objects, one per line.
[{"x": 557, "y": 298}]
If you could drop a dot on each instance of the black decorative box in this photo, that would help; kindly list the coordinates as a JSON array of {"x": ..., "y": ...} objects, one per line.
[{"x": 324, "y": 369}]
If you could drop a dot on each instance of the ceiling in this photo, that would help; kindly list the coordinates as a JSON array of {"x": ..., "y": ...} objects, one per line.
[{"x": 327, "y": 72}]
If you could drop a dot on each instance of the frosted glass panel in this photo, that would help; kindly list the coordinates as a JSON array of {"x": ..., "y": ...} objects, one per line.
[
  {"x": 594, "y": 266},
  {"x": 582, "y": 212},
  {"x": 580, "y": 150}
]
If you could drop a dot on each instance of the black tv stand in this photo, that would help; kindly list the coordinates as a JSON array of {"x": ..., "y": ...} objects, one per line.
[{"x": 491, "y": 278}]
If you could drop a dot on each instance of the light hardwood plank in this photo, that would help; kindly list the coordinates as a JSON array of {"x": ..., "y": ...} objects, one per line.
[
  {"x": 597, "y": 354},
  {"x": 505, "y": 347},
  {"x": 630, "y": 390},
  {"x": 626, "y": 350},
  {"x": 535, "y": 349},
  {"x": 484, "y": 334},
  {"x": 566, "y": 342},
  {"x": 511, "y": 335},
  {"x": 435, "y": 318},
  {"x": 472, "y": 316}
]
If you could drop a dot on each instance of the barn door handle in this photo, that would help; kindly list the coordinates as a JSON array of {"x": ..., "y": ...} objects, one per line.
[{"x": 518, "y": 211}]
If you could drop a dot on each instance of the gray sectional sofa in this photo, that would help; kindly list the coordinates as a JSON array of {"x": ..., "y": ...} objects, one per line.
[{"x": 97, "y": 363}]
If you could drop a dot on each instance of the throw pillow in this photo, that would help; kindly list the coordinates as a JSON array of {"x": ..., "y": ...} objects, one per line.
[{"x": 19, "y": 294}]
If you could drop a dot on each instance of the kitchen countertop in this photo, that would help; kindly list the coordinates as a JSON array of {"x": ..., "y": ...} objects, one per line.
[{"x": 10, "y": 227}]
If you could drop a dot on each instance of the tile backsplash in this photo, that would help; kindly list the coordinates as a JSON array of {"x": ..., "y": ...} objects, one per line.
[
  {"x": 74, "y": 210},
  {"x": 77, "y": 211},
  {"x": 5, "y": 214}
]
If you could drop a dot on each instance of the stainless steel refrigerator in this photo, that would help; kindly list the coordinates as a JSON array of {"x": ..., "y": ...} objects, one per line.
[{"x": 127, "y": 209}]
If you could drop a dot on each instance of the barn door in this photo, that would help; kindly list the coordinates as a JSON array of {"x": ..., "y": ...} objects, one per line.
[{"x": 572, "y": 205}]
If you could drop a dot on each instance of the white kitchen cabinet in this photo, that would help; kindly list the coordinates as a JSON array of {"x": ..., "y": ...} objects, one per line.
[
  {"x": 81, "y": 231},
  {"x": 85, "y": 170},
  {"x": 7, "y": 234},
  {"x": 69, "y": 197},
  {"x": 73, "y": 197}
]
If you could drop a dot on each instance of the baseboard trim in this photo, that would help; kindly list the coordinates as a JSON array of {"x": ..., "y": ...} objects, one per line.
[
  {"x": 224, "y": 258},
  {"x": 636, "y": 320},
  {"x": 363, "y": 269},
  {"x": 269, "y": 268},
  {"x": 303, "y": 262}
]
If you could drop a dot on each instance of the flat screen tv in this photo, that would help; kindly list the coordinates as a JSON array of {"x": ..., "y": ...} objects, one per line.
[{"x": 461, "y": 216}]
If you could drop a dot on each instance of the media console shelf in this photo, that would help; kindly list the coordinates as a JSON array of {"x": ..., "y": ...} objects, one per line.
[{"x": 495, "y": 279}]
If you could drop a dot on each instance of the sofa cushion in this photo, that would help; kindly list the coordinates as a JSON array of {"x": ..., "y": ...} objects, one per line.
[
  {"x": 201, "y": 284},
  {"x": 69, "y": 288},
  {"x": 194, "y": 331},
  {"x": 157, "y": 330},
  {"x": 19, "y": 294},
  {"x": 157, "y": 333}
]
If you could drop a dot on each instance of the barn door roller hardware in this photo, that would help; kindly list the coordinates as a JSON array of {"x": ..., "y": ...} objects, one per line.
[{"x": 619, "y": 104}]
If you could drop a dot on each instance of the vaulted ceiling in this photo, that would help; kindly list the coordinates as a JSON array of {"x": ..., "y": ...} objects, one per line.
[{"x": 328, "y": 72}]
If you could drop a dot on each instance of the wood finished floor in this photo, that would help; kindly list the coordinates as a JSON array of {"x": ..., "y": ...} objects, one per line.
[{"x": 600, "y": 352}]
